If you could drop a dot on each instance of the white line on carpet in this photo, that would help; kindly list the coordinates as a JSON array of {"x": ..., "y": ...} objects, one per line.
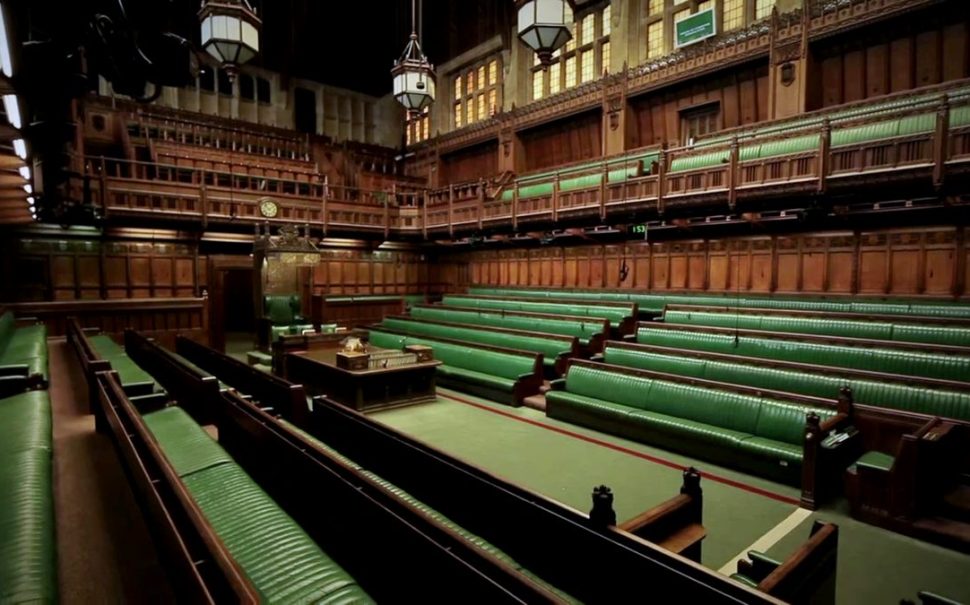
[{"x": 768, "y": 540}]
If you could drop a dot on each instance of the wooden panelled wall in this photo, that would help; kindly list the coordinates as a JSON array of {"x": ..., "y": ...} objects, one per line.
[
  {"x": 62, "y": 270},
  {"x": 742, "y": 96},
  {"x": 910, "y": 55},
  {"x": 53, "y": 270},
  {"x": 568, "y": 140},
  {"x": 364, "y": 272},
  {"x": 912, "y": 262},
  {"x": 470, "y": 164}
]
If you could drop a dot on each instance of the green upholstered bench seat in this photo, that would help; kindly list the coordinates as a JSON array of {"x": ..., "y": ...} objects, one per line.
[
  {"x": 551, "y": 349},
  {"x": 613, "y": 314},
  {"x": 875, "y": 359},
  {"x": 760, "y": 434},
  {"x": 284, "y": 564},
  {"x": 28, "y": 554},
  {"x": 880, "y": 393},
  {"x": 540, "y": 325},
  {"x": 657, "y": 302},
  {"x": 133, "y": 378},
  {"x": 879, "y": 330},
  {"x": 465, "y": 367},
  {"x": 876, "y": 461},
  {"x": 25, "y": 346}
]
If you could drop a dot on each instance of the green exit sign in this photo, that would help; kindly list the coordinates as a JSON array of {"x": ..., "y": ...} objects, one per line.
[
  {"x": 693, "y": 29},
  {"x": 640, "y": 229}
]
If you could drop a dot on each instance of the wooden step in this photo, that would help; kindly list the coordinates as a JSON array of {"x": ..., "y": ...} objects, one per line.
[
  {"x": 545, "y": 388},
  {"x": 536, "y": 402}
]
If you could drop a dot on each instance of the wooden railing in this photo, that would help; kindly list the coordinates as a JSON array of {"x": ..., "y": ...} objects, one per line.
[
  {"x": 820, "y": 161},
  {"x": 159, "y": 318}
]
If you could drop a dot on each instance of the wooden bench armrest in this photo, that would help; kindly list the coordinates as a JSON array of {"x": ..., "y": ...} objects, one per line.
[
  {"x": 833, "y": 422},
  {"x": 815, "y": 552},
  {"x": 657, "y": 513}
]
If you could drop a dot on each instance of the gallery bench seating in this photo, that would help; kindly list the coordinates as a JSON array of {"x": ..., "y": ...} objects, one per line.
[
  {"x": 621, "y": 315},
  {"x": 921, "y": 395},
  {"x": 656, "y": 303},
  {"x": 28, "y": 565},
  {"x": 500, "y": 374},
  {"x": 286, "y": 398},
  {"x": 676, "y": 524},
  {"x": 807, "y": 576},
  {"x": 421, "y": 552},
  {"x": 759, "y": 431},
  {"x": 23, "y": 350},
  {"x": 843, "y": 325},
  {"x": 591, "y": 332},
  {"x": 222, "y": 537},
  {"x": 556, "y": 350},
  {"x": 907, "y": 359},
  {"x": 917, "y": 485},
  {"x": 554, "y": 542}
]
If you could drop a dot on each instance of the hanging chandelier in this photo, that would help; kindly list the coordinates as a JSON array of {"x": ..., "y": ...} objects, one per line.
[
  {"x": 414, "y": 78},
  {"x": 544, "y": 26},
  {"x": 230, "y": 32}
]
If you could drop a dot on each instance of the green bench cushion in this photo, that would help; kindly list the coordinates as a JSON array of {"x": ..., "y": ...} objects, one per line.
[
  {"x": 876, "y": 461},
  {"x": 28, "y": 554},
  {"x": 25, "y": 423},
  {"x": 283, "y": 563},
  {"x": 186, "y": 444},
  {"x": 488, "y": 380}
]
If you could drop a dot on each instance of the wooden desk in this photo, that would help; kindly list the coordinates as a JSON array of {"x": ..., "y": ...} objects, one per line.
[{"x": 362, "y": 390}]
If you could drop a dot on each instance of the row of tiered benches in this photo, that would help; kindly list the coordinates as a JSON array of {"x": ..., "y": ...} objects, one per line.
[
  {"x": 28, "y": 548},
  {"x": 701, "y": 377},
  {"x": 675, "y": 525},
  {"x": 397, "y": 544}
]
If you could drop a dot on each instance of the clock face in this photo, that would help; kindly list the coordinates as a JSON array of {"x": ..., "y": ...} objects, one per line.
[{"x": 269, "y": 208}]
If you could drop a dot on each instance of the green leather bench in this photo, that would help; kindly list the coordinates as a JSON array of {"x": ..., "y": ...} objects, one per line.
[
  {"x": 135, "y": 380},
  {"x": 501, "y": 375},
  {"x": 278, "y": 557},
  {"x": 554, "y": 349},
  {"x": 23, "y": 350},
  {"x": 759, "y": 435},
  {"x": 881, "y": 393},
  {"x": 877, "y": 330},
  {"x": 28, "y": 547},
  {"x": 656, "y": 303},
  {"x": 617, "y": 316},
  {"x": 875, "y": 359},
  {"x": 589, "y": 332}
]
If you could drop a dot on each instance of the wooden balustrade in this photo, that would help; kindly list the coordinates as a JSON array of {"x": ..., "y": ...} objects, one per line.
[{"x": 725, "y": 173}]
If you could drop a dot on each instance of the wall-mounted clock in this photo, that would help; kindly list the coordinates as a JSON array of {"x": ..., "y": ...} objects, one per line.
[{"x": 268, "y": 208}]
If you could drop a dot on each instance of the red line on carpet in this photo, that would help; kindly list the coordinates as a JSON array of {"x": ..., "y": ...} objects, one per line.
[{"x": 619, "y": 448}]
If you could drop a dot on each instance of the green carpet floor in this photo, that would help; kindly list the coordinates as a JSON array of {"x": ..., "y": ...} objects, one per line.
[{"x": 875, "y": 566}]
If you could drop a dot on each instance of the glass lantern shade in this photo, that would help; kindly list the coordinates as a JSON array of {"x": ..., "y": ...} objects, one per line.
[
  {"x": 230, "y": 31},
  {"x": 414, "y": 78},
  {"x": 543, "y": 26}
]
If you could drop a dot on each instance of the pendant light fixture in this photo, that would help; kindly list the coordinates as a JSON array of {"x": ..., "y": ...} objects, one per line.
[
  {"x": 414, "y": 78},
  {"x": 230, "y": 32},
  {"x": 544, "y": 26}
]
